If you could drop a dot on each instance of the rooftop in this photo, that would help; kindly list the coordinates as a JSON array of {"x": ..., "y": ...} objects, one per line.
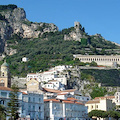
[{"x": 5, "y": 88}]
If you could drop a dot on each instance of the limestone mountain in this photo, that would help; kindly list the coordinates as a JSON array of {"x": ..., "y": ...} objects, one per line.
[
  {"x": 43, "y": 44},
  {"x": 13, "y": 21}
]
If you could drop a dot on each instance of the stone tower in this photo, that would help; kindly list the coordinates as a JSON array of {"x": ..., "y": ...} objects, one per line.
[
  {"x": 78, "y": 33},
  {"x": 77, "y": 26},
  {"x": 5, "y": 79}
]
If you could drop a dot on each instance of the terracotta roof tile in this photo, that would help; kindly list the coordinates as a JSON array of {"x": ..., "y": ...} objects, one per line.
[
  {"x": 93, "y": 101},
  {"x": 69, "y": 90},
  {"x": 79, "y": 103},
  {"x": 66, "y": 101},
  {"x": 51, "y": 90},
  {"x": 54, "y": 100},
  {"x": 5, "y": 88},
  {"x": 72, "y": 99},
  {"x": 24, "y": 93},
  {"x": 106, "y": 97}
]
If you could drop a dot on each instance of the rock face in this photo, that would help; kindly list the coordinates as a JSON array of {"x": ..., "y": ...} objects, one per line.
[
  {"x": 15, "y": 22},
  {"x": 76, "y": 34}
]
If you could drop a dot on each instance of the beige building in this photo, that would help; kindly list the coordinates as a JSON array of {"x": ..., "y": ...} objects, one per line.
[
  {"x": 33, "y": 85},
  {"x": 100, "y": 103},
  {"x": 5, "y": 79},
  {"x": 105, "y": 60}
]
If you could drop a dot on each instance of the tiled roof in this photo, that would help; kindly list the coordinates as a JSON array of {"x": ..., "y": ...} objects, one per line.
[
  {"x": 24, "y": 93},
  {"x": 5, "y": 88},
  {"x": 69, "y": 90},
  {"x": 92, "y": 101},
  {"x": 79, "y": 103},
  {"x": 106, "y": 97},
  {"x": 54, "y": 100},
  {"x": 51, "y": 90},
  {"x": 72, "y": 99},
  {"x": 65, "y": 101}
]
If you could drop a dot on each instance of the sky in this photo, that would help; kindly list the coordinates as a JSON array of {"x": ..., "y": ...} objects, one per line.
[{"x": 97, "y": 16}]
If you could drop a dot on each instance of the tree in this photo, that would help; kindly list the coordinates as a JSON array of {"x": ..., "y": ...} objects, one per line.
[
  {"x": 93, "y": 63},
  {"x": 13, "y": 104},
  {"x": 114, "y": 114},
  {"x": 2, "y": 112},
  {"x": 97, "y": 113}
]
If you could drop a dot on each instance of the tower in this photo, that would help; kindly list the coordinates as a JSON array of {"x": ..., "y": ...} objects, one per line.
[
  {"x": 5, "y": 79},
  {"x": 77, "y": 26}
]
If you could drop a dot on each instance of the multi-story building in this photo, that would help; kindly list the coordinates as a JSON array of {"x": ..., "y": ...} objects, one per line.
[
  {"x": 4, "y": 98},
  {"x": 31, "y": 104},
  {"x": 50, "y": 79},
  {"x": 54, "y": 84},
  {"x": 100, "y": 103},
  {"x": 63, "y": 109},
  {"x": 117, "y": 98}
]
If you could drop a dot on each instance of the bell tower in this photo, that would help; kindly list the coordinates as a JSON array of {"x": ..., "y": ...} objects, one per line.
[{"x": 5, "y": 79}]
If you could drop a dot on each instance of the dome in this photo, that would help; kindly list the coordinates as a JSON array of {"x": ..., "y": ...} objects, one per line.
[{"x": 4, "y": 65}]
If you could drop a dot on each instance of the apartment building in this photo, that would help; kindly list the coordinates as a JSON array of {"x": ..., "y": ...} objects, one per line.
[
  {"x": 64, "y": 109},
  {"x": 31, "y": 103}
]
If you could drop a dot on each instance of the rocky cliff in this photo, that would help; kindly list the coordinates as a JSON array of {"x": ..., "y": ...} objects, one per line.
[{"x": 13, "y": 21}]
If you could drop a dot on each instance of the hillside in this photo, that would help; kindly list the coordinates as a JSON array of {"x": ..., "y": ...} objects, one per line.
[{"x": 44, "y": 45}]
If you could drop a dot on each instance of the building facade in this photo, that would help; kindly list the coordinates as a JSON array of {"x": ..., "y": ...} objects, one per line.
[
  {"x": 31, "y": 103},
  {"x": 101, "y": 103},
  {"x": 65, "y": 109},
  {"x": 105, "y": 60}
]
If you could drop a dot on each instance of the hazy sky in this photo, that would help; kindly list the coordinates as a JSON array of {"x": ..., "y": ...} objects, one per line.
[{"x": 97, "y": 16}]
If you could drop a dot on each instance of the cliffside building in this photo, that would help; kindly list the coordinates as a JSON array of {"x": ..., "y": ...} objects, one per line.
[{"x": 105, "y": 60}]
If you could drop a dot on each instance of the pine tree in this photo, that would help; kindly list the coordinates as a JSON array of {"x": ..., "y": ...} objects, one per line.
[
  {"x": 13, "y": 104},
  {"x": 2, "y": 112}
]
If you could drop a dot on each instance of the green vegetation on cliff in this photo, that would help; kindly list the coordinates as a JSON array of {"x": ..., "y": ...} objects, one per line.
[
  {"x": 106, "y": 77},
  {"x": 47, "y": 51}
]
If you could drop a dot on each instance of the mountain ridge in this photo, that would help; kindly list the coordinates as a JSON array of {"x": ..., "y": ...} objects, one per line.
[{"x": 43, "y": 43}]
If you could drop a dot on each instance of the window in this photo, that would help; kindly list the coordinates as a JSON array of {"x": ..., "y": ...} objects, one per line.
[
  {"x": 2, "y": 84},
  {"x": 2, "y": 81},
  {"x": 2, "y": 74},
  {"x": 3, "y": 94},
  {"x": 96, "y": 106},
  {"x": 29, "y": 99},
  {"x": 39, "y": 99},
  {"x": 92, "y": 106},
  {"x": 39, "y": 108},
  {"x": 33, "y": 108},
  {"x": 33, "y": 99}
]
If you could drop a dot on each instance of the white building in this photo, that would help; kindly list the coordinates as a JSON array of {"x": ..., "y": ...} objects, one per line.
[
  {"x": 117, "y": 98},
  {"x": 24, "y": 59},
  {"x": 64, "y": 109},
  {"x": 31, "y": 104},
  {"x": 54, "y": 84},
  {"x": 82, "y": 98},
  {"x": 4, "y": 98},
  {"x": 49, "y": 79},
  {"x": 61, "y": 67},
  {"x": 105, "y": 60}
]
